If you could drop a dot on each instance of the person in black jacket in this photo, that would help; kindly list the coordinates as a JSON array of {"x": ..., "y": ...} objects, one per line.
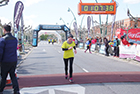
[
  {"x": 106, "y": 46},
  {"x": 8, "y": 59}
]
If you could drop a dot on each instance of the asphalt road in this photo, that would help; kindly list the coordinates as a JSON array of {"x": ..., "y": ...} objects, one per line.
[{"x": 48, "y": 59}]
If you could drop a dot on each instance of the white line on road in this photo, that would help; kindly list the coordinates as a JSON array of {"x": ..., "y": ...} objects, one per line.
[
  {"x": 85, "y": 70},
  {"x": 75, "y": 88},
  {"x": 59, "y": 52},
  {"x": 51, "y": 91},
  {"x": 44, "y": 50}
]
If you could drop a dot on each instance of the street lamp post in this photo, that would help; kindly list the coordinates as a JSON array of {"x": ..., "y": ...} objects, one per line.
[
  {"x": 69, "y": 10},
  {"x": 81, "y": 25},
  {"x": 62, "y": 20},
  {"x": 3, "y": 2},
  {"x": 71, "y": 23}
]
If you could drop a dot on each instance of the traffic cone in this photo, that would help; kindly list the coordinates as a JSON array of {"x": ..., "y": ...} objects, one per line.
[{"x": 8, "y": 80}]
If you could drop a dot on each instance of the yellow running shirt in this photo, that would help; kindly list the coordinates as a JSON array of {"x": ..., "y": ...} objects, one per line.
[{"x": 68, "y": 53}]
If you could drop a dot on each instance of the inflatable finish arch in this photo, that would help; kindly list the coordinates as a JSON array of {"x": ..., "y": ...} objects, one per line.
[{"x": 48, "y": 27}]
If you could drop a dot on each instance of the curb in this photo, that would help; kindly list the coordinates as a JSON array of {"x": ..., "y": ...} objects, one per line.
[{"x": 24, "y": 57}]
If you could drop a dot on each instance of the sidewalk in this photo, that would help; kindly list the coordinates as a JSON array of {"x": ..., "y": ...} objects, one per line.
[{"x": 24, "y": 54}]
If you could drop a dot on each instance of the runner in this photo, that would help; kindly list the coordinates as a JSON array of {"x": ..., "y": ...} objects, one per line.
[
  {"x": 52, "y": 41},
  {"x": 49, "y": 41},
  {"x": 88, "y": 45},
  {"x": 67, "y": 47}
]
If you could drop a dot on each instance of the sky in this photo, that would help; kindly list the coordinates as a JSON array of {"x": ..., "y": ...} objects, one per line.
[{"x": 49, "y": 12}]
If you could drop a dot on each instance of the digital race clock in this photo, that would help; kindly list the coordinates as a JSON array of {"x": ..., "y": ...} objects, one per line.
[{"x": 97, "y": 8}]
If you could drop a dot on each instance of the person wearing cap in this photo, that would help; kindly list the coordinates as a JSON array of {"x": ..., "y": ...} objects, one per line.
[
  {"x": 116, "y": 47},
  {"x": 8, "y": 59},
  {"x": 68, "y": 55}
]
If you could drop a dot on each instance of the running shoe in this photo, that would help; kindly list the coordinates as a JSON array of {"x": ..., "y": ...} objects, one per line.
[
  {"x": 71, "y": 80},
  {"x": 66, "y": 76}
]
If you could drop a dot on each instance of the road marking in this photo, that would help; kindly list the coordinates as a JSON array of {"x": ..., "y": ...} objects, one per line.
[
  {"x": 44, "y": 50},
  {"x": 85, "y": 70},
  {"x": 76, "y": 89},
  {"x": 59, "y": 52},
  {"x": 51, "y": 91}
]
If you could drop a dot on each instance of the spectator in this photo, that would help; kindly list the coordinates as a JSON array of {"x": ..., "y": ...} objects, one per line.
[
  {"x": 116, "y": 47},
  {"x": 106, "y": 46},
  {"x": 96, "y": 45},
  {"x": 8, "y": 59},
  {"x": 76, "y": 42},
  {"x": 124, "y": 40},
  {"x": 100, "y": 42},
  {"x": 93, "y": 41},
  {"x": 20, "y": 45},
  {"x": 110, "y": 47}
]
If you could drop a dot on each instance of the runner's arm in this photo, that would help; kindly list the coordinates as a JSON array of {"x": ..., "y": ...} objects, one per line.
[
  {"x": 64, "y": 49},
  {"x": 74, "y": 48}
]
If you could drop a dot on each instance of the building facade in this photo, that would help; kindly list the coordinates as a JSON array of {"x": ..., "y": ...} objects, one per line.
[{"x": 106, "y": 29}]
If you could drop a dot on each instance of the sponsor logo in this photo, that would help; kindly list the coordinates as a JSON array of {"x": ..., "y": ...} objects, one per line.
[
  {"x": 134, "y": 35},
  {"x": 51, "y": 27}
]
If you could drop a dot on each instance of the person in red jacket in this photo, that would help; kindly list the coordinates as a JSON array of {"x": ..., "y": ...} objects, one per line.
[
  {"x": 93, "y": 41},
  {"x": 124, "y": 40}
]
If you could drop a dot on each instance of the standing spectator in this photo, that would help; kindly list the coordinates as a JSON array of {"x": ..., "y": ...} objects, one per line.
[
  {"x": 20, "y": 45},
  {"x": 124, "y": 40},
  {"x": 116, "y": 47},
  {"x": 93, "y": 41},
  {"x": 100, "y": 42},
  {"x": 8, "y": 59},
  {"x": 67, "y": 47},
  {"x": 97, "y": 42},
  {"x": 76, "y": 42},
  {"x": 110, "y": 47},
  {"x": 106, "y": 46}
]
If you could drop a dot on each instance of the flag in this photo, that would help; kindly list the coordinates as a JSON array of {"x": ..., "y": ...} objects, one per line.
[{"x": 17, "y": 15}]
